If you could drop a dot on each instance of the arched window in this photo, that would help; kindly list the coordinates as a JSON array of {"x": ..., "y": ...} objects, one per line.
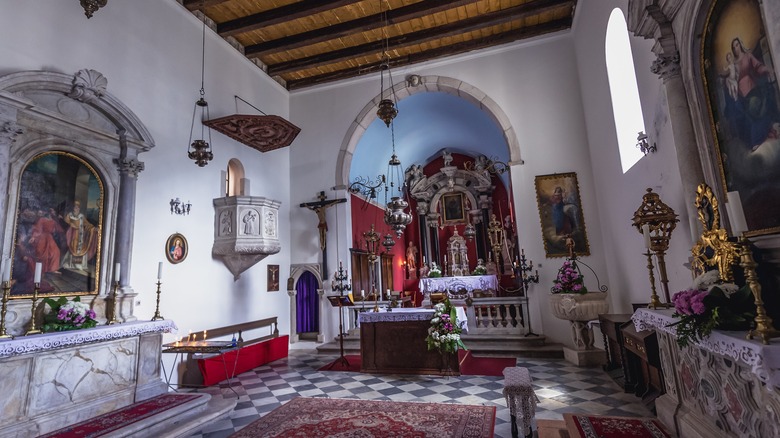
[
  {"x": 234, "y": 185},
  {"x": 626, "y": 107}
]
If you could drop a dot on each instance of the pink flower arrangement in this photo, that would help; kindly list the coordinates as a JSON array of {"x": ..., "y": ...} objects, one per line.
[
  {"x": 569, "y": 280},
  {"x": 700, "y": 312},
  {"x": 690, "y": 302}
]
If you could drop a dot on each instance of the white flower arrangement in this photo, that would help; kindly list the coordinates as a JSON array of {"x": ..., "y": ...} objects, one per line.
[{"x": 435, "y": 270}]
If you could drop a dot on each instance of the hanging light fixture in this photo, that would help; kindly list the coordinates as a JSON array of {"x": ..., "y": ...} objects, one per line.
[
  {"x": 393, "y": 181},
  {"x": 199, "y": 150}
]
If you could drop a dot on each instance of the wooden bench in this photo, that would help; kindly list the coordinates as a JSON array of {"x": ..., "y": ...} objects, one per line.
[{"x": 251, "y": 353}]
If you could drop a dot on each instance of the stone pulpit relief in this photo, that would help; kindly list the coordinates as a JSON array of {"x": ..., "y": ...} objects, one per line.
[{"x": 245, "y": 231}]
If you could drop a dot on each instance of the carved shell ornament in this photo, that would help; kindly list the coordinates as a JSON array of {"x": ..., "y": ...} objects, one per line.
[{"x": 88, "y": 86}]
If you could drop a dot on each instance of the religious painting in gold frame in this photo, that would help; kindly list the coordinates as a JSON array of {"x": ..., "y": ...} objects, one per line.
[
  {"x": 560, "y": 214},
  {"x": 59, "y": 224},
  {"x": 176, "y": 248},
  {"x": 453, "y": 208},
  {"x": 742, "y": 98}
]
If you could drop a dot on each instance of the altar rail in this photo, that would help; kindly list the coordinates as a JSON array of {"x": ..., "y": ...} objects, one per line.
[{"x": 496, "y": 316}]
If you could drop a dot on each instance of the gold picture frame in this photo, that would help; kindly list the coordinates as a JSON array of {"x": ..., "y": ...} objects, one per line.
[
  {"x": 453, "y": 208},
  {"x": 176, "y": 248},
  {"x": 560, "y": 214}
]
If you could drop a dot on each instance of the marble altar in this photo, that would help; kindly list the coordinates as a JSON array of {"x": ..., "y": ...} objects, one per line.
[
  {"x": 452, "y": 284},
  {"x": 722, "y": 386},
  {"x": 56, "y": 379}
]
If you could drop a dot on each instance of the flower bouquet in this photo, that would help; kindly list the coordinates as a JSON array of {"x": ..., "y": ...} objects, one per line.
[
  {"x": 435, "y": 271},
  {"x": 67, "y": 315},
  {"x": 569, "y": 280},
  {"x": 444, "y": 332},
  {"x": 701, "y": 311},
  {"x": 480, "y": 269}
]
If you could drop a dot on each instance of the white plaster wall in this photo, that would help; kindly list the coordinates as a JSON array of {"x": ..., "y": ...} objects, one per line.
[
  {"x": 535, "y": 83},
  {"x": 150, "y": 51},
  {"x": 619, "y": 195}
]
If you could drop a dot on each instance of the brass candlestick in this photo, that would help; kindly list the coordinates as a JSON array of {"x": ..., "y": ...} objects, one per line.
[
  {"x": 111, "y": 315},
  {"x": 376, "y": 301},
  {"x": 157, "y": 315},
  {"x": 654, "y": 301},
  {"x": 6, "y": 290},
  {"x": 33, "y": 328},
  {"x": 764, "y": 328}
]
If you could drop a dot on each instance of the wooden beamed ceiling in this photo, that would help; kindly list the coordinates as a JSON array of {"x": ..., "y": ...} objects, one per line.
[{"x": 310, "y": 42}]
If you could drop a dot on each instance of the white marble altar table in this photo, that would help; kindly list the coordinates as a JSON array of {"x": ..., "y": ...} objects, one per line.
[
  {"x": 49, "y": 341},
  {"x": 470, "y": 283},
  {"x": 763, "y": 360}
]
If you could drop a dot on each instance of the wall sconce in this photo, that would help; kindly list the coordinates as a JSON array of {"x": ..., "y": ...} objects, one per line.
[
  {"x": 641, "y": 143},
  {"x": 178, "y": 207}
]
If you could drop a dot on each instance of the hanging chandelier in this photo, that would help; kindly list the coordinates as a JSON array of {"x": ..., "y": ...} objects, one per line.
[
  {"x": 199, "y": 150},
  {"x": 393, "y": 182}
]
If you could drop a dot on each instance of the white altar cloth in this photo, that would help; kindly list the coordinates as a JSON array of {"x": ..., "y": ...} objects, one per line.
[
  {"x": 763, "y": 360},
  {"x": 49, "y": 341},
  {"x": 470, "y": 283},
  {"x": 409, "y": 314}
]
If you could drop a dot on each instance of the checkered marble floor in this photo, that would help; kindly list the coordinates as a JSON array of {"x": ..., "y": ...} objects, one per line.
[{"x": 560, "y": 387}]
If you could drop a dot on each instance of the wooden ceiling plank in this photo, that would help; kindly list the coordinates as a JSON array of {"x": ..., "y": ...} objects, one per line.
[
  {"x": 454, "y": 49},
  {"x": 468, "y": 25},
  {"x": 195, "y": 5},
  {"x": 278, "y": 15},
  {"x": 362, "y": 24}
]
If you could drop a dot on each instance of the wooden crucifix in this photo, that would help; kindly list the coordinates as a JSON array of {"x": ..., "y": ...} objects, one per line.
[{"x": 319, "y": 207}]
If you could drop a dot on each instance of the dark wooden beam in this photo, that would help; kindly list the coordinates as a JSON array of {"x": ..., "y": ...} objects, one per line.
[
  {"x": 278, "y": 15},
  {"x": 194, "y": 5},
  {"x": 358, "y": 25},
  {"x": 453, "y": 49},
  {"x": 434, "y": 33}
]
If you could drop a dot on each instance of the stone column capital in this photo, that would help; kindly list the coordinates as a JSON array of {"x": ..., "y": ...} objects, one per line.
[
  {"x": 129, "y": 166},
  {"x": 667, "y": 67}
]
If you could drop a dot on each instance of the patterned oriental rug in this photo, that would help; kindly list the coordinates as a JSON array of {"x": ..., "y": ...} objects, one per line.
[
  {"x": 326, "y": 417},
  {"x": 106, "y": 423},
  {"x": 596, "y": 426}
]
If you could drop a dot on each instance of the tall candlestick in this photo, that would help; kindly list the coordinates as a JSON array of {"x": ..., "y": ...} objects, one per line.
[
  {"x": 646, "y": 234},
  {"x": 38, "y": 268},
  {"x": 7, "y": 270},
  {"x": 117, "y": 270},
  {"x": 159, "y": 271}
]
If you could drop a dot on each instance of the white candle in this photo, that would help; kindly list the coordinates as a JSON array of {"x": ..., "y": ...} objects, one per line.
[
  {"x": 159, "y": 271},
  {"x": 38, "y": 268},
  {"x": 362, "y": 292},
  {"x": 117, "y": 270},
  {"x": 736, "y": 214},
  {"x": 7, "y": 270},
  {"x": 646, "y": 234}
]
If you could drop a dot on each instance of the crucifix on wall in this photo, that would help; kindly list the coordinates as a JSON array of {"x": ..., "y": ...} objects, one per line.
[{"x": 320, "y": 208}]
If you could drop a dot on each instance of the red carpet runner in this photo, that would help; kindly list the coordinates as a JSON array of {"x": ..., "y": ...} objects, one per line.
[
  {"x": 469, "y": 364},
  {"x": 120, "y": 418},
  {"x": 597, "y": 426},
  {"x": 324, "y": 417}
]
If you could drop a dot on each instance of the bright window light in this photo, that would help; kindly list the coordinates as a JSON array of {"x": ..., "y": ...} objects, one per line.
[{"x": 622, "y": 87}]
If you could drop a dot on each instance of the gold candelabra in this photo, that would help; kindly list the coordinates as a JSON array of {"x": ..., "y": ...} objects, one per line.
[
  {"x": 654, "y": 301},
  {"x": 6, "y": 290},
  {"x": 34, "y": 330},
  {"x": 157, "y": 315},
  {"x": 111, "y": 315},
  {"x": 764, "y": 328}
]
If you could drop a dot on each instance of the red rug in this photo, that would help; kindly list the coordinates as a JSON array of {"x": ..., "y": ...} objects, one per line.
[
  {"x": 470, "y": 365},
  {"x": 597, "y": 426},
  {"x": 328, "y": 417},
  {"x": 120, "y": 418}
]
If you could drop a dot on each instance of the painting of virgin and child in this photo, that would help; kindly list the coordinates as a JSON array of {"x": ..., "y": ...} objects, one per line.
[
  {"x": 743, "y": 96},
  {"x": 58, "y": 224}
]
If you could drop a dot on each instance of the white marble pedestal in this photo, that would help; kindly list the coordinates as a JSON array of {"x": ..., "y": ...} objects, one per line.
[{"x": 52, "y": 380}]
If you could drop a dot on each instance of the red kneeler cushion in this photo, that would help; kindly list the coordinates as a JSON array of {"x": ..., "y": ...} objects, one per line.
[{"x": 249, "y": 357}]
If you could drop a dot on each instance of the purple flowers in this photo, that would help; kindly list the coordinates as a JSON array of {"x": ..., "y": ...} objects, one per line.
[
  {"x": 690, "y": 302},
  {"x": 68, "y": 315},
  {"x": 569, "y": 280}
]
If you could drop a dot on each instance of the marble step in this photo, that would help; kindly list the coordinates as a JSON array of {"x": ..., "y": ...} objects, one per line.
[
  {"x": 487, "y": 346},
  {"x": 181, "y": 421}
]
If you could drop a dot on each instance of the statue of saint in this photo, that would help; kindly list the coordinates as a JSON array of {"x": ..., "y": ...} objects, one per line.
[{"x": 411, "y": 257}]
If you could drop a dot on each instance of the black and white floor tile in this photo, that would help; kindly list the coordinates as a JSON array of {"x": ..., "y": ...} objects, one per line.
[{"x": 559, "y": 386}]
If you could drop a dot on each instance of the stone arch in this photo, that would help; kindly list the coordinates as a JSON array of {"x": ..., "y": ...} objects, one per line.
[
  {"x": 296, "y": 271},
  {"x": 416, "y": 84}
]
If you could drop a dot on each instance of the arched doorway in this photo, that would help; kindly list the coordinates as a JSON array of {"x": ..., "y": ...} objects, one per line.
[{"x": 307, "y": 307}]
